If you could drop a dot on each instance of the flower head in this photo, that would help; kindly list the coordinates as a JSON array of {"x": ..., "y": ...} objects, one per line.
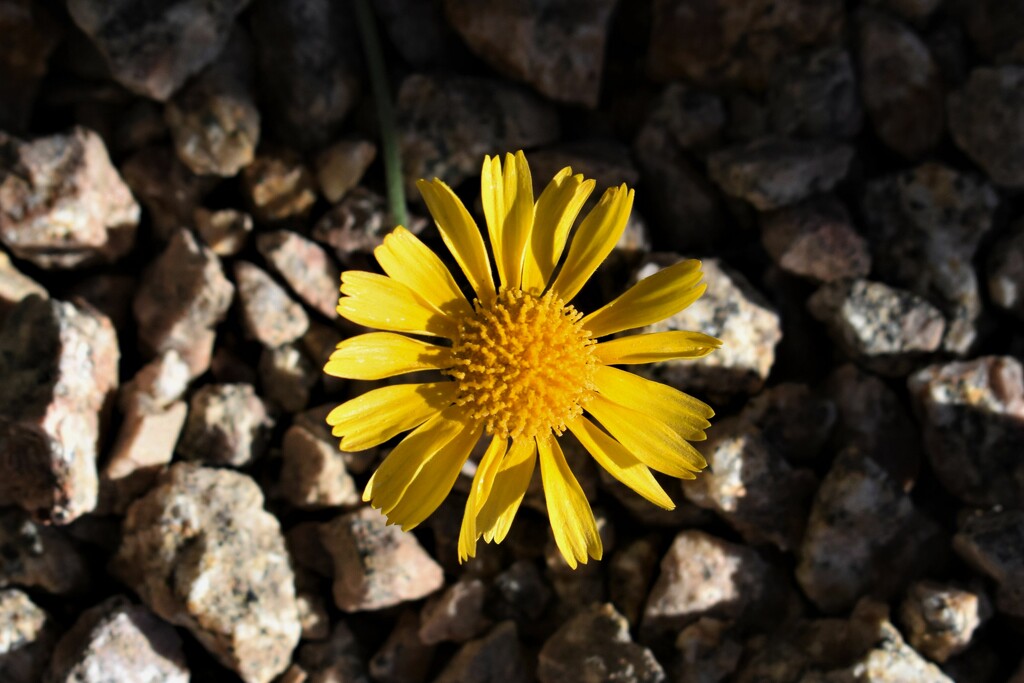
[{"x": 519, "y": 365}]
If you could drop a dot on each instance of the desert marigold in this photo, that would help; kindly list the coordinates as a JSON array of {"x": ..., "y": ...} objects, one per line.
[{"x": 519, "y": 365}]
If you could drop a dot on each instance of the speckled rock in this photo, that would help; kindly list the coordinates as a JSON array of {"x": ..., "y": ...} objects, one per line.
[
  {"x": 901, "y": 84},
  {"x": 971, "y": 421},
  {"x": 225, "y": 231},
  {"x": 27, "y": 636},
  {"x": 116, "y": 640},
  {"x": 337, "y": 659},
  {"x": 706, "y": 652},
  {"x": 559, "y": 50},
  {"x": 203, "y": 554},
  {"x": 456, "y": 614},
  {"x": 31, "y": 32},
  {"x": 795, "y": 421},
  {"x": 15, "y": 285},
  {"x": 305, "y": 266},
  {"x": 37, "y": 556},
  {"x": 228, "y": 424},
  {"x": 924, "y": 226},
  {"x": 287, "y": 376},
  {"x": 182, "y": 297},
  {"x": 340, "y": 167},
  {"x": 752, "y": 487},
  {"x": 375, "y": 565},
  {"x": 447, "y": 124},
  {"x": 864, "y": 536},
  {"x": 993, "y": 544},
  {"x": 166, "y": 187},
  {"x": 885, "y": 329},
  {"x": 279, "y": 187},
  {"x": 774, "y": 172},
  {"x": 358, "y": 223},
  {"x": 816, "y": 240},
  {"x": 59, "y": 362},
  {"x": 734, "y": 312},
  {"x": 986, "y": 118},
  {"x": 313, "y": 473},
  {"x": 62, "y": 203},
  {"x": 495, "y": 658},
  {"x": 596, "y": 645},
  {"x": 214, "y": 120},
  {"x": 940, "y": 619},
  {"x": 403, "y": 658},
  {"x": 152, "y": 48},
  {"x": 1005, "y": 270},
  {"x": 269, "y": 314}
]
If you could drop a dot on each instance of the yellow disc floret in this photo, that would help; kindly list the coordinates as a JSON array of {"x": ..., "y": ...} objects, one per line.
[{"x": 524, "y": 364}]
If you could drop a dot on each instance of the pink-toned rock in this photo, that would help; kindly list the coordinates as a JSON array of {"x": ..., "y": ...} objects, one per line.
[
  {"x": 59, "y": 362},
  {"x": 313, "y": 473},
  {"x": 228, "y": 424},
  {"x": 62, "y": 203},
  {"x": 816, "y": 240},
  {"x": 166, "y": 187},
  {"x": 305, "y": 266},
  {"x": 270, "y": 316},
  {"x": 15, "y": 286},
  {"x": 183, "y": 296},
  {"x": 456, "y": 614}
]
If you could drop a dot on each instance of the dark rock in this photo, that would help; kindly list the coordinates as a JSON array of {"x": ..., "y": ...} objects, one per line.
[
  {"x": 403, "y": 658},
  {"x": 62, "y": 203},
  {"x": 794, "y": 421},
  {"x": 996, "y": 27},
  {"x": 816, "y": 240},
  {"x": 421, "y": 34},
  {"x": 495, "y": 658},
  {"x": 901, "y": 84},
  {"x": 774, "y": 172},
  {"x": 521, "y": 594},
  {"x": 225, "y": 231},
  {"x": 608, "y": 163},
  {"x": 814, "y": 96},
  {"x": 910, "y": 9},
  {"x": 15, "y": 286},
  {"x": 992, "y": 543},
  {"x": 707, "y": 652},
  {"x": 456, "y": 614},
  {"x": 287, "y": 376},
  {"x": 166, "y": 187},
  {"x": 30, "y": 33},
  {"x": 986, "y": 118},
  {"x": 630, "y": 575},
  {"x": 305, "y": 266},
  {"x": 941, "y": 619},
  {"x": 692, "y": 118},
  {"x": 358, "y": 224},
  {"x": 228, "y": 424},
  {"x": 153, "y": 48},
  {"x": 972, "y": 423},
  {"x": 116, "y": 640},
  {"x": 202, "y": 553},
  {"x": 37, "y": 556},
  {"x": 1006, "y": 270},
  {"x": 279, "y": 187},
  {"x": 313, "y": 473},
  {"x": 27, "y": 636},
  {"x": 340, "y": 167},
  {"x": 338, "y": 659}
]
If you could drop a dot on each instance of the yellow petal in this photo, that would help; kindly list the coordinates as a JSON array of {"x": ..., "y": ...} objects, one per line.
[
  {"x": 597, "y": 236},
  {"x": 681, "y": 412},
  {"x": 382, "y": 354},
  {"x": 483, "y": 481},
  {"x": 556, "y": 211},
  {"x": 392, "y": 478},
  {"x": 657, "y": 346},
  {"x": 619, "y": 462},
  {"x": 376, "y": 416},
  {"x": 433, "y": 480},
  {"x": 460, "y": 235},
  {"x": 572, "y": 520},
  {"x": 653, "y": 442},
  {"x": 407, "y": 260},
  {"x": 654, "y": 298},
  {"x": 518, "y": 223},
  {"x": 492, "y": 196},
  {"x": 495, "y": 517},
  {"x": 377, "y": 301}
]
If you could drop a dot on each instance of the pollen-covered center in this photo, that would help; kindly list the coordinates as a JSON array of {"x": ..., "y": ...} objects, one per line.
[{"x": 524, "y": 364}]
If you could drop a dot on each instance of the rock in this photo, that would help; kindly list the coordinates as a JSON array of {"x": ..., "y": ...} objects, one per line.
[
  {"x": 707, "y": 652},
  {"x": 887, "y": 330},
  {"x": 158, "y": 385},
  {"x": 814, "y": 96},
  {"x": 309, "y": 50},
  {"x": 991, "y": 543},
  {"x": 456, "y": 614},
  {"x": 214, "y": 120},
  {"x": 358, "y": 223},
  {"x": 447, "y": 124},
  {"x": 986, "y": 118},
  {"x": 403, "y": 658},
  {"x": 607, "y": 162},
  {"x": 940, "y": 619},
  {"x": 495, "y": 658},
  {"x": 338, "y": 659},
  {"x": 182, "y": 297},
  {"x": 314, "y": 421},
  {"x": 31, "y": 32},
  {"x": 630, "y": 575},
  {"x": 704, "y": 576},
  {"x": 202, "y": 553},
  {"x": 153, "y": 48},
  {"x": 15, "y": 286},
  {"x": 734, "y": 312},
  {"x": 794, "y": 421},
  {"x": 1005, "y": 270},
  {"x": 752, "y": 487},
  {"x": 774, "y": 172},
  {"x": 62, "y": 203},
  {"x": 116, "y": 640},
  {"x": 375, "y": 565},
  {"x": 228, "y": 424},
  {"x": 166, "y": 187},
  {"x": 721, "y": 43},
  {"x": 279, "y": 187},
  {"x": 864, "y": 536},
  {"x": 59, "y": 362},
  {"x": 109, "y": 293},
  {"x": 312, "y": 606},
  {"x": 816, "y": 239},
  {"x": 995, "y": 28},
  {"x": 970, "y": 415},
  {"x": 37, "y": 556},
  {"x": 270, "y": 316},
  {"x": 287, "y": 376},
  {"x": 420, "y": 33},
  {"x": 559, "y": 50},
  {"x": 226, "y": 231},
  {"x": 520, "y": 593},
  {"x": 27, "y": 636},
  {"x": 596, "y": 645},
  {"x": 910, "y": 9},
  {"x": 924, "y": 226},
  {"x": 693, "y": 118},
  {"x": 901, "y": 84},
  {"x": 340, "y": 167},
  {"x": 313, "y": 473},
  {"x": 305, "y": 266}
]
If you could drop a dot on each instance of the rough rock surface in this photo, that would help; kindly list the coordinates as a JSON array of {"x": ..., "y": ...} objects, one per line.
[
  {"x": 313, "y": 473},
  {"x": 495, "y": 658},
  {"x": 940, "y": 619},
  {"x": 337, "y": 659},
  {"x": 793, "y": 420},
  {"x": 170, "y": 192},
  {"x": 37, "y": 556},
  {"x": 403, "y": 658},
  {"x": 287, "y": 376},
  {"x": 816, "y": 240},
  {"x": 27, "y": 636},
  {"x": 991, "y": 542},
  {"x": 270, "y": 316},
  {"x": 279, "y": 187},
  {"x": 15, "y": 285},
  {"x": 62, "y": 203},
  {"x": 456, "y": 614},
  {"x": 228, "y": 424},
  {"x": 986, "y": 118},
  {"x": 225, "y": 231},
  {"x": 812, "y": 96},
  {"x": 305, "y": 266},
  {"x": 203, "y": 554}
]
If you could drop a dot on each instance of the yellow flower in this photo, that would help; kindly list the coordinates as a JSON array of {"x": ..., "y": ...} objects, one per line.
[{"x": 519, "y": 365}]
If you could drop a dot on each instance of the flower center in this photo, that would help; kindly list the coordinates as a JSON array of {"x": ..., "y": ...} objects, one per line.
[{"x": 524, "y": 365}]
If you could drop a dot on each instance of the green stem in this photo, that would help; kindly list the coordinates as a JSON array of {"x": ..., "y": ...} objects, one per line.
[{"x": 385, "y": 112}]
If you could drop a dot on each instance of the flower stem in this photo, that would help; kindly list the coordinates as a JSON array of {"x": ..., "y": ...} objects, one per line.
[{"x": 385, "y": 112}]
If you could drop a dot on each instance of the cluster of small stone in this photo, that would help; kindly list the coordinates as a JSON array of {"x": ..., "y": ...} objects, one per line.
[{"x": 182, "y": 181}]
